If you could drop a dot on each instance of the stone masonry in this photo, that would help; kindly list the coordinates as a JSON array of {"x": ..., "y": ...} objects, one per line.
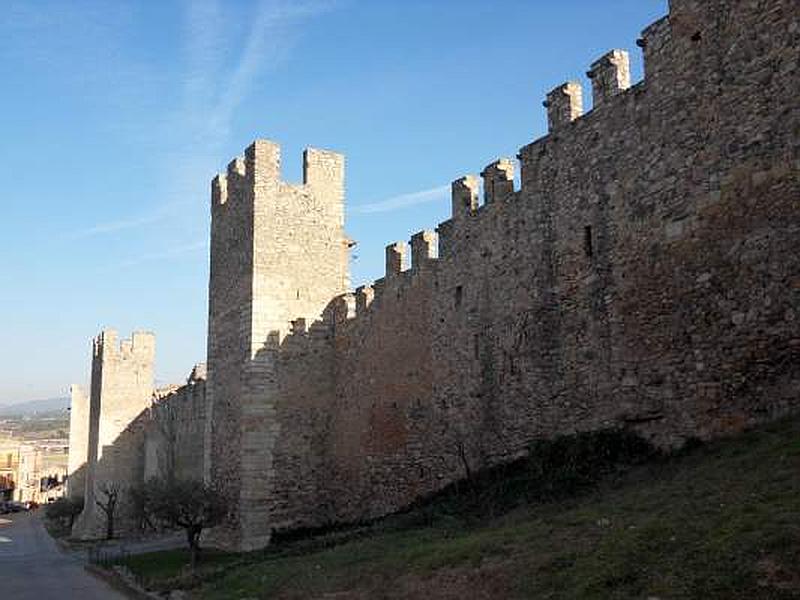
[
  {"x": 645, "y": 275},
  {"x": 121, "y": 388},
  {"x": 78, "y": 441}
]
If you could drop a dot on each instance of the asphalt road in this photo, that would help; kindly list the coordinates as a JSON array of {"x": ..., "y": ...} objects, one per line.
[{"x": 32, "y": 567}]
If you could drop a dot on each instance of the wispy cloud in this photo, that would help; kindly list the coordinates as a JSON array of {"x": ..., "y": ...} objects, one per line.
[
  {"x": 402, "y": 201},
  {"x": 115, "y": 226},
  {"x": 220, "y": 72},
  {"x": 166, "y": 254},
  {"x": 267, "y": 44}
]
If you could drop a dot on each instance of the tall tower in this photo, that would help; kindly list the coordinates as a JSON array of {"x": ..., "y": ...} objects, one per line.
[
  {"x": 278, "y": 252},
  {"x": 121, "y": 388},
  {"x": 78, "y": 441}
]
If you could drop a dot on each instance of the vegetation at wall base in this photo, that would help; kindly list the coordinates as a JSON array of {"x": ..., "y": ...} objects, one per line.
[
  {"x": 715, "y": 521},
  {"x": 61, "y": 514}
]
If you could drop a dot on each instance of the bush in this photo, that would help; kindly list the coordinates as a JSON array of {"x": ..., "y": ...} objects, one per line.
[
  {"x": 553, "y": 469},
  {"x": 187, "y": 504},
  {"x": 64, "y": 511}
]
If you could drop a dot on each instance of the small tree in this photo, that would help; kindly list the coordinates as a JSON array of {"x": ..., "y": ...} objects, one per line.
[
  {"x": 188, "y": 504},
  {"x": 107, "y": 502},
  {"x": 64, "y": 511},
  {"x": 139, "y": 499}
]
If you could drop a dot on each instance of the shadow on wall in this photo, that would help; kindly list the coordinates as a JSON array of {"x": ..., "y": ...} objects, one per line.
[{"x": 166, "y": 437}]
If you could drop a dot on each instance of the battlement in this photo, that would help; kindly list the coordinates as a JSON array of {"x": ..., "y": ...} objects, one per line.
[
  {"x": 498, "y": 181},
  {"x": 260, "y": 167},
  {"x": 610, "y": 75},
  {"x": 424, "y": 248},
  {"x": 365, "y": 294},
  {"x": 199, "y": 373},
  {"x": 464, "y": 194},
  {"x": 564, "y": 104},
  {"x": 396, "y": 254},
  {"x": 141, "y": 345}
]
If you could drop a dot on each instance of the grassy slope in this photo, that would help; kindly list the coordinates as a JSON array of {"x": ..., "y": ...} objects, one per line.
[{"x": 720, "y": 521}]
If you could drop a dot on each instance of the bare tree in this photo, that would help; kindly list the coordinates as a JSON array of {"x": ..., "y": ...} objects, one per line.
[{"x": 109, "y": 495}]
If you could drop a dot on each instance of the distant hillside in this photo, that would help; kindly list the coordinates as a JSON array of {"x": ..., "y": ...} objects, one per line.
[{"x": 35, "y": 407}]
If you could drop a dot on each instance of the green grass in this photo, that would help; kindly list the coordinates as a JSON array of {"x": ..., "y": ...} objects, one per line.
[{"x": 721, "y": 521}]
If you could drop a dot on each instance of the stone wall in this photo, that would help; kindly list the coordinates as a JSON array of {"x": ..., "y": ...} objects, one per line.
[
  {"x": 78, "y": 441},
  {"x": 645, "y": 275},
  {"x": 121, "y": 389},
  {"x": 175, "y": 429},
  {"x": 278, "y": 253},
  {"x": 146, "y": 434}
]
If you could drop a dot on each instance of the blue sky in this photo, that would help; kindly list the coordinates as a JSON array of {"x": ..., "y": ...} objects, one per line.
[{"x": 116, "y": 115}]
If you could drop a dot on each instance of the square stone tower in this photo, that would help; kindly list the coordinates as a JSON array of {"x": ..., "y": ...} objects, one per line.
[
  {"x": 78, "y": 441},
  {"x": 121, "y": 388},
  {"x": 278, "y": 253}
]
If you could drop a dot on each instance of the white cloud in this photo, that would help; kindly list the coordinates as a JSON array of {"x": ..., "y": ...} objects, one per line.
[
  {"x": 114, "y": 226},
  {"x": 219, "y": 75},
  {"x": 169, "y": 253},
  {"x": 402, "y": 201},
  {"x": 268, "y": 43}
]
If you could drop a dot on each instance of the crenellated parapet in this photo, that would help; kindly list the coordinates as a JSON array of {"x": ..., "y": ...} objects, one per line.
[
  {"x": 396, "y": 254},
  {"x": 140, "y": 346},
  {"x": 122, "y": 386},
  {"x": 260, "y": 168},
  {"x": 564, "y": 104},
  {"x": 610, "y": 75},
  {"x": 498, "y": 181},
  {"x": 464, "y": 194},
  {"x": 365, "y": 294},
  {"x": 424, "y": 248}
]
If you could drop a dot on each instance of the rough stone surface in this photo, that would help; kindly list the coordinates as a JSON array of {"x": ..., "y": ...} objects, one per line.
[
  {"x": 646, "y": 275},
  {"x": 157, "y": 433},
  {"x": 121, "y": 388},
  {"x": 78, "y": 441},
  {"x": 278, "y": 254}
]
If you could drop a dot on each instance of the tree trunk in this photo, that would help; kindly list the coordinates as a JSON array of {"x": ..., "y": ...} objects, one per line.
[
  {"x": 110, "y": 525},
  {"x": 193, "y": 537}
]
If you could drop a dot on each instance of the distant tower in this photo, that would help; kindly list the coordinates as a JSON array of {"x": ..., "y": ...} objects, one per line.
[
  {"x": 78, "y": 441},
  {"x": 278, "y": 253},
  {"x": 122, "y": 386}
]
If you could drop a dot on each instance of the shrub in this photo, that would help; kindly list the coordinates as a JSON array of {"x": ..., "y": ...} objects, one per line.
[{"x": 64, "y": 511}]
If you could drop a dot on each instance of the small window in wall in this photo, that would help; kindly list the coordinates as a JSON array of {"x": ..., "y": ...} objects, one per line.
[
  {"x": 588, "y": 249},
  {"x": 459, "y": 296}
]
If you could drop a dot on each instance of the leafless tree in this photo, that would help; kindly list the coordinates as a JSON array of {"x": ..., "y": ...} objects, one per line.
[{"x": 107, "y": 502}]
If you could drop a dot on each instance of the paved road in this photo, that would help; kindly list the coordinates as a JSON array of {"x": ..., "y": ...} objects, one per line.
[{"x": 32, "y": 567}]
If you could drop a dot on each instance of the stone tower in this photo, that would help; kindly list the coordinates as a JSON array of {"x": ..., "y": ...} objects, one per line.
[
  {"x": 278, "y": 253},
  {"x": 121, "y": 388},
  {"x": 78, "y": 441}
]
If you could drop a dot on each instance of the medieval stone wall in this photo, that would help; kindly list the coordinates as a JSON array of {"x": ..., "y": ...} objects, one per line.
[
  {"x": 645, "y": 275},
  {"x": 78, "y": 441},
  {"x": 175, "y": 430},
  {"x": 121, "y": 388},
  {"x": 278, "y": 253},
  {"x": 160, "y": 433}
]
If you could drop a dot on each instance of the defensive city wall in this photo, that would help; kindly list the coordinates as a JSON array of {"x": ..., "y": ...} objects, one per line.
[
  {"x": 645, "y": 275},
  {"x": 125, "y": 431}
]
